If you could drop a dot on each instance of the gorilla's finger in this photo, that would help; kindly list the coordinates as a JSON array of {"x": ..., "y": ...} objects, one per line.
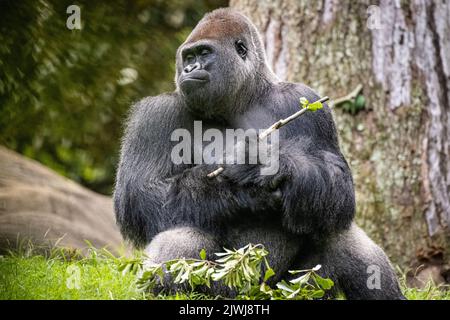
[{"x": 277, "y": 181}]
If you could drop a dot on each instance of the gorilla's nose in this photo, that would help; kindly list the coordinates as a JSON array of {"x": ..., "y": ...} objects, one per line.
[{"x": 191, "y": 67}]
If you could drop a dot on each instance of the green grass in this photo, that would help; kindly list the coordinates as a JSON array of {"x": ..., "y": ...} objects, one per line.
[
  {"x": 38, "y": 277},
  {"x": 429, "y": 292},
  {"x": 49, "y": 276}
]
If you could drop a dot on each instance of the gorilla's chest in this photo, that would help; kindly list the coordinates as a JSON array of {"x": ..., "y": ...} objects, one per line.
[
  {"x": 212, "y": 142},
  {"x": 211, "y": 138}
]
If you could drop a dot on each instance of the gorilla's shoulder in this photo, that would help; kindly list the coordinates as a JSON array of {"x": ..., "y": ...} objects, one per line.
[
  {"x": 290, "y": 93},
  {"x": 298, "y": 90},
  {"x": 319, "y": 123},
  {"x": 153, "y": 111},
  {"x": 160, "y": 103}
]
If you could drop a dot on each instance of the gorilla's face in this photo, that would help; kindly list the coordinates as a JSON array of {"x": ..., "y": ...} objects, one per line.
[
  {"x": 210, "y": 74},
  {"x": 199, "y": 61}
]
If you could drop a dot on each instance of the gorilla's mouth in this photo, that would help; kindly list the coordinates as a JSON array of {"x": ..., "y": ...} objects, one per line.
[
  {"x": 193, "y": 80},
  {"x": 196, "y": 76}
]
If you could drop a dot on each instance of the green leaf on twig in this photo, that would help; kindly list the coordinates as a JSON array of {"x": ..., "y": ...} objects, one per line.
[{"x": 310, "y": 106}]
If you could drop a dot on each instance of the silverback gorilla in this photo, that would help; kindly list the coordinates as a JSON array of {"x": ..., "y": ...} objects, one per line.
[{"x": 303, "y": 214}]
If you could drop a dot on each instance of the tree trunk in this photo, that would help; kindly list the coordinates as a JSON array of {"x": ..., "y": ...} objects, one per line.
[{"x": 398, "y": 145}]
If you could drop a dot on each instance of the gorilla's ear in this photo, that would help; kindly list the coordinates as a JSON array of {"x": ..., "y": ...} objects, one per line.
[{"x": 241, "y": 48}]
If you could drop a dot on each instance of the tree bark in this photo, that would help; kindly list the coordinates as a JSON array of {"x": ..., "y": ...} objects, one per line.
[{"x": 398, "y": 146}]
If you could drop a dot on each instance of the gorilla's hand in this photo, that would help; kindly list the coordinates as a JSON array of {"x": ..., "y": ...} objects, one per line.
[
  {"x": 194, "y": 199},
  {"x": 245, "y": 171},
  {"x": 247, "y": 176},
  {"x": 251, "y": 174}
]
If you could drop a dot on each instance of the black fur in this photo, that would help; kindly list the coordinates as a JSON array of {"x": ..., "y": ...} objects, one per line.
[{"x": 303, "y": 214}]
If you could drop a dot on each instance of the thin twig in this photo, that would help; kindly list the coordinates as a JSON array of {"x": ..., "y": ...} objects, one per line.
[
  {"x": 352, "y": 95},
  {"x": 272, "y": 128}
]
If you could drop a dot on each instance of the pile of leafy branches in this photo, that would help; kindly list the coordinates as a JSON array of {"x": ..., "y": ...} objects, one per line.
[{"x": 245, "y": 270}]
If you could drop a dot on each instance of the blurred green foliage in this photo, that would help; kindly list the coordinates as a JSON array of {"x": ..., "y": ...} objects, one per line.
[{"x": 64, "y": 94}]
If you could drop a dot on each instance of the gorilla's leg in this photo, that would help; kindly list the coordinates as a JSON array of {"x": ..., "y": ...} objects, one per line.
[
  {"x": 183, "y": 242},
  {"x": 360, "y": 268},
  {"x": 282, "y": 246}
]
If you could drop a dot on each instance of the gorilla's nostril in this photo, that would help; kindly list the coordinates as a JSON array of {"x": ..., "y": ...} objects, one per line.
[{"x": 192, "y": 67}]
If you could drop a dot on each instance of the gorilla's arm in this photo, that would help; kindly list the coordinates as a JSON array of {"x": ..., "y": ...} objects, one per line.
[
  {"x": 152, "y": 194},
  {"x": 140, "y": 190},
  {"x": 316, "y": 182},
  {"x": 318, "y": 197}
]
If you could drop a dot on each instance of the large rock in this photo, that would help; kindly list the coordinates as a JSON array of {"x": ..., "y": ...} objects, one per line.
[{"x": 38, "y": 204}]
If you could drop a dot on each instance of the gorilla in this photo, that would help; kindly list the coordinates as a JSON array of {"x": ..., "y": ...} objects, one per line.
[{"x": 303, "y": 214}]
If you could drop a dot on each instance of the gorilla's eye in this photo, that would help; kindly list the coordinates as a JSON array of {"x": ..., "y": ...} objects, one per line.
[
  {"x": 241, "y": 48},
  {"x": 205, "y": 52},
  {"x": 189, "y": 59}
]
